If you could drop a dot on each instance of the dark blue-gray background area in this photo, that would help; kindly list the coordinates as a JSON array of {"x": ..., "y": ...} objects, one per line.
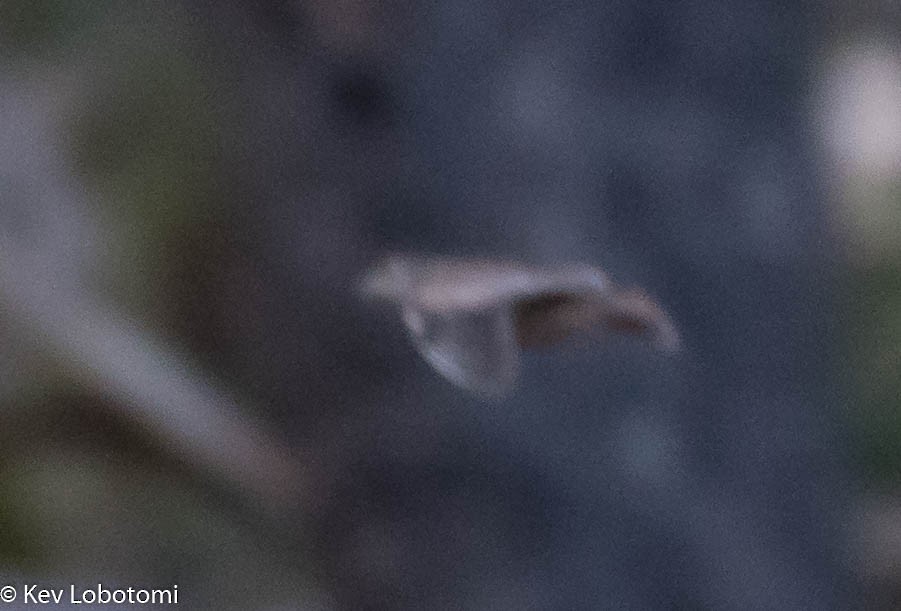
[
  {"x": 668, "y": 142},
  {"x": 665, "y": 141}
]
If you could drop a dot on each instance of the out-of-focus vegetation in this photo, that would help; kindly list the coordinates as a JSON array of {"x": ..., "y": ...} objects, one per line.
[
  {"x": 860, "y": 122},
  {"x": 859, "y": 119},
  {"x": 122, "y": 108}
]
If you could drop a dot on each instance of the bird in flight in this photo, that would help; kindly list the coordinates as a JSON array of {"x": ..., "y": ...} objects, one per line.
[{"x": 470, "y": 318}]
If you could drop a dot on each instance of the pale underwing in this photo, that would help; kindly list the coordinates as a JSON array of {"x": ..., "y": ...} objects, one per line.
[{"x": 469, "y": 318}]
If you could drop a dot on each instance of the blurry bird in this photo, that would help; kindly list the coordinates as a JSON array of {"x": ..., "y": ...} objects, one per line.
[{"x": 470, "y": 317}]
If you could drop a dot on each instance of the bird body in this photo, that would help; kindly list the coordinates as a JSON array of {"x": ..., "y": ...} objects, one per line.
[{"x": 470, "y": 317}]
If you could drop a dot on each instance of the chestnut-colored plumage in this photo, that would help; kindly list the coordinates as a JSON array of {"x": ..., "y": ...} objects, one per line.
[{"x": 470, "y": 317}]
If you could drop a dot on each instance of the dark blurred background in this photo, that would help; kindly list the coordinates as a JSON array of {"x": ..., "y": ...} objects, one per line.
[{"x": 191, "y": 393}]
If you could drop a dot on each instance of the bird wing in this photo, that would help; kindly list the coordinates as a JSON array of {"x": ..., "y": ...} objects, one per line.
[
  {"x": 455, "y": 285},
  {"x": 475, "y": 350}
]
